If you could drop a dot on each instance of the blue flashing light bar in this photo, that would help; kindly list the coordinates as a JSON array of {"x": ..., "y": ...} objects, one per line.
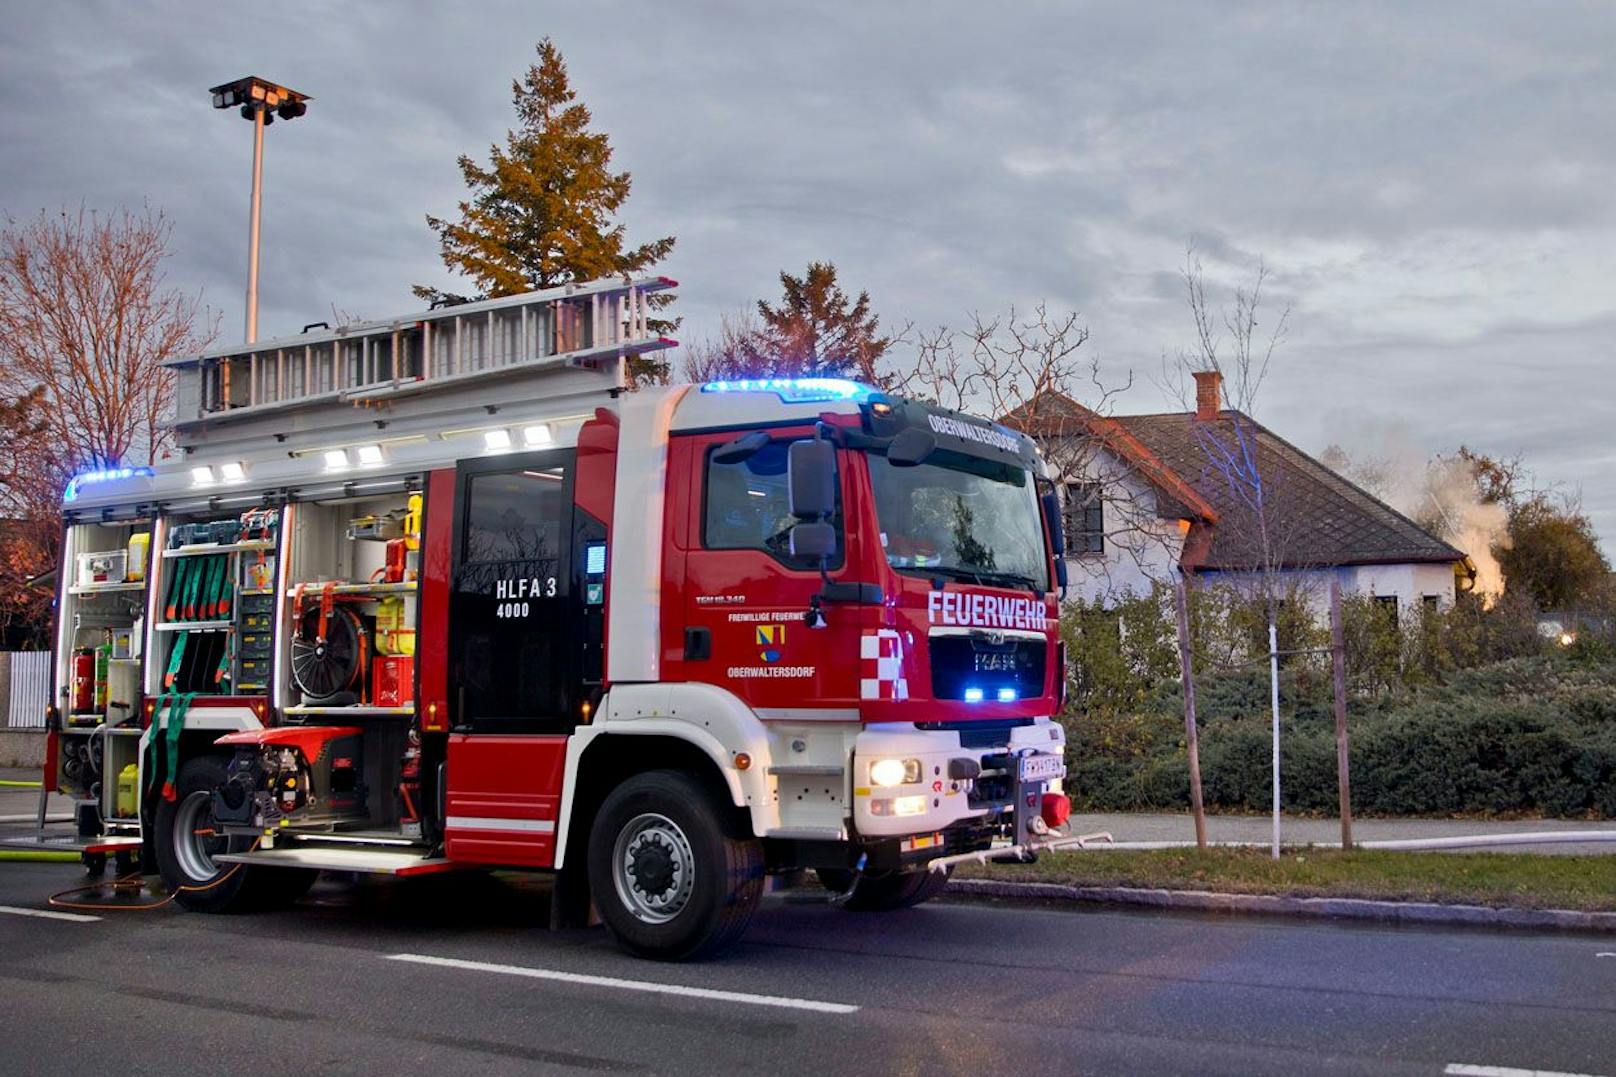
[
  {"x": 106, "y": 475},
  {"x": 1007, "y": 695},
  {"x": 973, "y": 695},
  {"x": 796, "y": 390}
]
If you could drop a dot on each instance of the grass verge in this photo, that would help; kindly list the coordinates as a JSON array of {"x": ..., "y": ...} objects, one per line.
[{"x": 1505, "y": 880}]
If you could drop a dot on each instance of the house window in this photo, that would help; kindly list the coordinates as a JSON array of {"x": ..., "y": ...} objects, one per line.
[
  {"x": 1083, "y": 518},
  {"x": 1433, "y": 603},
  {"x": 1387, "y": 604}
]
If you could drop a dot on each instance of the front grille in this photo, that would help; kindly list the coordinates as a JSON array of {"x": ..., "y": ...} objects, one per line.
[{"x": 988, "y": 663}]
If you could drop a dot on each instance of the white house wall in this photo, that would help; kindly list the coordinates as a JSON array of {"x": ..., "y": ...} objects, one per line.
[{"x": 1141, "y": 549}]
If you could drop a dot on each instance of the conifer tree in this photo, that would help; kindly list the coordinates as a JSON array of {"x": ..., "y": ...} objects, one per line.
[
  {"x": 542, "y": 211},
  {"x": 818, "y": 331}
]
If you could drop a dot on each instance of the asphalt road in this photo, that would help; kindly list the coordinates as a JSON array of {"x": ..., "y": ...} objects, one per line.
[{"x": 947, "y": 988}]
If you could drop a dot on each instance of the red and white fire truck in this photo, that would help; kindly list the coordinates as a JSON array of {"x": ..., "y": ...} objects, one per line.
[{"x": 438, "y": 591}]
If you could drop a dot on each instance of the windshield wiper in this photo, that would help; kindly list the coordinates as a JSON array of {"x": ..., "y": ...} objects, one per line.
[
  {"x": 981, "y": 577},
  {"x": 1010, "y": 579}
]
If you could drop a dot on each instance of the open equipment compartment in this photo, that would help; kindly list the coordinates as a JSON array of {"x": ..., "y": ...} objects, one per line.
[
  {"x": 98, "y": 661},
  {"x": 349, "y": 607}
]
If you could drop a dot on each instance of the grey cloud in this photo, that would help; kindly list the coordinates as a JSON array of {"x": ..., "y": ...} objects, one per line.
[{"x": 1428, "y": 183}]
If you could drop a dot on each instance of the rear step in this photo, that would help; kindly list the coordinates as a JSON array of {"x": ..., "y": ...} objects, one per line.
[
  {"x": 69, "y": 843},
  {"x": 346, "y": 858}
]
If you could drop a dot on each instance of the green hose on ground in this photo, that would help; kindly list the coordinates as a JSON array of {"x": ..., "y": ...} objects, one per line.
[{"x": 40, "y": 857}]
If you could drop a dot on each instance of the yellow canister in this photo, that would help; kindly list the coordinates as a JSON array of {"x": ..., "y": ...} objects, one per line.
[
  {"x": 128, "y": 791},
  {"x": 139, "y": 547}
]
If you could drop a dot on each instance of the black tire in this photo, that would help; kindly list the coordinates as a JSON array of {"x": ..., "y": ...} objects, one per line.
[
  {"x": 191, "y": 876},
  {"x": 886, "y": 891},
  {"x": 693, "y": 884}
]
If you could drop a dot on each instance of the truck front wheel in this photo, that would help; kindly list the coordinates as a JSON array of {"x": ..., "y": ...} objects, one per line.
[{"x": 669, "y": 878}]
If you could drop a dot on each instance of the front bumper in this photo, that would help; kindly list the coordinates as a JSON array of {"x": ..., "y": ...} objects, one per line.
[{"x": 997, "y": 804}]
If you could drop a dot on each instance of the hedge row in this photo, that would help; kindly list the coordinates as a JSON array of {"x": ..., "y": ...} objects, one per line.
[{"x": 1526, "y": 735}]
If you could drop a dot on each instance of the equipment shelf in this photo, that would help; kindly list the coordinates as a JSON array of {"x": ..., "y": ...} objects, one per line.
[
  {"x": 313, "y": 590},
  {"x": 194, "y": 626},
  {"x": 353, "y": 711},
  {"x": 204, "y": 549},
  {"x": 105, "y": 588}
]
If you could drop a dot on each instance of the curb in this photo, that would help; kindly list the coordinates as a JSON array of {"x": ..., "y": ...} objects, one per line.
[{"x": 1403, "y": 912}]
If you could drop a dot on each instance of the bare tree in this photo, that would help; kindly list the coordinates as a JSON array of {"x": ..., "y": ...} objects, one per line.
[
  {"x": 85, "y": 326},
  {"x": 1034, "y": 372},
  {"x": 1260, "y": 521},
  {"x": 84, "y": 316}
]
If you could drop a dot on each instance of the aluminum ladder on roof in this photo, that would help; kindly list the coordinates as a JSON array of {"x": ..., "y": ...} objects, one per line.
[{"x": 595, "y": 325}]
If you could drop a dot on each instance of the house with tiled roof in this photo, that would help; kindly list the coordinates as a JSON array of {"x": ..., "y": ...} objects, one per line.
[{"x": 1149, "y": 496}]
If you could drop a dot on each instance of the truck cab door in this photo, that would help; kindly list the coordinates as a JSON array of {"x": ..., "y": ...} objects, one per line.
[
  {"x": 514, "y": 656},
  {"x": 747, "y": 596}
]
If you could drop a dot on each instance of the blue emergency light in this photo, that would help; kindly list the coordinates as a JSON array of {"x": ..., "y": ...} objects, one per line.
[
  {"x": 795, "y": 390},
  {"x": 105, "y": 475}
]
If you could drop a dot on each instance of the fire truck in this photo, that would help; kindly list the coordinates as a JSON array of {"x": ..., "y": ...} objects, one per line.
[{"x": 442, "y": 591}]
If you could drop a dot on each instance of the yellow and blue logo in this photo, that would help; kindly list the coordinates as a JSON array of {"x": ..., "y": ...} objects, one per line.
[{"x": 772, "y": 638}]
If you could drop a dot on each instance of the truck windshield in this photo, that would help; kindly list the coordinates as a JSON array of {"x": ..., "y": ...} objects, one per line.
[{"x": 962, "y": 518}]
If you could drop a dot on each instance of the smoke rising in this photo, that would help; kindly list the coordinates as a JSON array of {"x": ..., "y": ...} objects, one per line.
[{"x": 1439, "y": 493}]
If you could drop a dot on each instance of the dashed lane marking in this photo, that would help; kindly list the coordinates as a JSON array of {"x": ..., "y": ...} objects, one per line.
[
  {"x": 1469, "y": 1070},
  {"x": 48, "y": 914},
  {"x": 745, "y": 998}
]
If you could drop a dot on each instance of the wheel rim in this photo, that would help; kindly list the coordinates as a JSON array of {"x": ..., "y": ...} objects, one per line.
[
  {"x": 192, "y": 849},
  {"x": 654, "y": 868}
]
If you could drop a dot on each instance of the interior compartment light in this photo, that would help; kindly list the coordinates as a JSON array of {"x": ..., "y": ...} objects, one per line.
[
  {"x": 1007, "y": 695},
  {"x": 202, "y": 476},
  {"x": 973, "y": 695},
  {"x": 369, "y": 455},
  {"x": 795, "y": 390},
  {"x": 537, "y": 435},
  {"x": 497, "y": 440},
  {"x": 336, "y": 459},
  {"x": 233, "y": 471}
]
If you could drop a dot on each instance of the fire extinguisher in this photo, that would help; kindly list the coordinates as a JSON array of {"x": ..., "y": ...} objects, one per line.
[{"x": 84, "y": 680}]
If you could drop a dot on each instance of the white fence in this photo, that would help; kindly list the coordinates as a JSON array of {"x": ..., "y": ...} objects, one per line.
[{"x": 30, "y": 689}]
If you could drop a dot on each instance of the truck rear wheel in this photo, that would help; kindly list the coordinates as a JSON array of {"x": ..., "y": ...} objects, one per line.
[
  {"x": 887, "y": 890},
  {"x": 186, "y": 843},
  {"x": 668, "y": 877}
]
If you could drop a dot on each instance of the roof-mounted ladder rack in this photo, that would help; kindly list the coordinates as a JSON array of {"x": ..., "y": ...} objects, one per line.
[{"x": 591, "y": 326}]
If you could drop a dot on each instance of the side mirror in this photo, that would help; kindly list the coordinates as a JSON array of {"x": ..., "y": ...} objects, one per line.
[
  {"x": 1052, "y": 523},
  {"x": 742, "y": 448},
  {"x": 811, "y": 466},
  {"x": 813, "y": 538},
  {"x": 911, "y": 447}
]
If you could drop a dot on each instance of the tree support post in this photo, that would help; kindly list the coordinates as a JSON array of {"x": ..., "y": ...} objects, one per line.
[{"x": 1338, "y": 662}]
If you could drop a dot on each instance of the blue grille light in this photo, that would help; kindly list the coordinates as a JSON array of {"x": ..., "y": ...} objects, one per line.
[
  {"x": 795, "y": 390},
  {"x": 105, "y": 475},
  {"x": 1007, "y": 695},
  {"x": 973, "y": 695}
]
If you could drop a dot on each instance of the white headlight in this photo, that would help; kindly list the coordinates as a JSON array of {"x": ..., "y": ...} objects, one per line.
[{"x": 894, "y": 771}]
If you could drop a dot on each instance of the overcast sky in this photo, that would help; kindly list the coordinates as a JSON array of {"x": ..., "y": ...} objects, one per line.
[{"x": 1431, "y": 185}]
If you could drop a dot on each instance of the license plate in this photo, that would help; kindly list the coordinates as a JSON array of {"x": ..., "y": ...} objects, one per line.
[{"x": 1037, "y": 768}]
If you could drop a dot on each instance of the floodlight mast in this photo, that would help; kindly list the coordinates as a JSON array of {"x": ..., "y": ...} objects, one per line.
[{"x": 261, "y": 101}]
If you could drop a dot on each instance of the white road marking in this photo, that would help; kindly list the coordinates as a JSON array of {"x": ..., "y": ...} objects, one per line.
[
  {"x": 1607, "y": 953},
  {"x": 1505, "y": 1071},
  {"x": 631, "y": 985},
  {"x": 48, "y": 914}
]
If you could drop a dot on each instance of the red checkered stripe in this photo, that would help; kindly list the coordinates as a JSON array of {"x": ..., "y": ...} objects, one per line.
[{"x": 881, "y": 665}]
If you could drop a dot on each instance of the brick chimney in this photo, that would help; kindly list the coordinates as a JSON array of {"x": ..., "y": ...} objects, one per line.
[{"x": 1208, "y": 394}]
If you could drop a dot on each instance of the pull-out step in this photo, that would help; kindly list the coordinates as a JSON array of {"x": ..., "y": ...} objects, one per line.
[
  {"x": 69, "y": 843},
  {"x": 347, "y": 858}
]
